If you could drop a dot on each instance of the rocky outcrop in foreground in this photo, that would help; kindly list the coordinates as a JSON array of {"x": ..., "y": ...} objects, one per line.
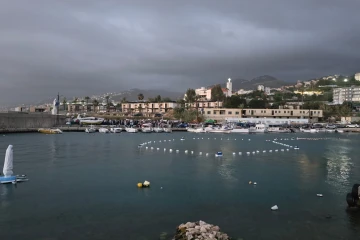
[{"x": 199, "y": 231}]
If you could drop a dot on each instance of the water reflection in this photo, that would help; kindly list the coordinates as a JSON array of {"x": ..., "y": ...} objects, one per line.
[
  {"x": 6, "y": 193},
  {"x": 338, "y": 166}
]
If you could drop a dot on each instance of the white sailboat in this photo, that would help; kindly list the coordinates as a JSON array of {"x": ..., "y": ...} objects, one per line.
[
  {"x": 131, "y": 130},
  {"x": 90, "y": 129},
  {"x": 103, "y": 130},
  {"x": 115, "y": 130},
  {"x": 8, "y": 167}
]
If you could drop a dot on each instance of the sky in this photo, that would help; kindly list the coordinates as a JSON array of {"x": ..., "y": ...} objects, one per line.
[{"x": 85, "y": 47}]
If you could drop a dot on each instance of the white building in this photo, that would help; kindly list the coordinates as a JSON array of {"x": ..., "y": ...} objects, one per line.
[
  {"x": 346, "y": 94},
  {"x": 267, "y": 91},
  {"x": 260, "y": 88},
  {"x": 357, "y": 76},
  {"x": 229, "y": 88}
]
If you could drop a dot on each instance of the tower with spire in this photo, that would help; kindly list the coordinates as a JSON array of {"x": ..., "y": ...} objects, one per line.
[{"x": 229, "y": 87}]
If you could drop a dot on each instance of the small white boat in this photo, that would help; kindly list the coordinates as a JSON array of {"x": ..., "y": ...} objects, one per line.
[
  {"x": 146, "y": 128},
  {"x": 182, "y": 139},
  {"x": 240, "y": 130},
  {"x": 103, "y": 130},
  {"x": 296, "y": 148},
  {"x": 339, "y": 131},
  {"x": 115, "y": 130},
  {"x": 50, "y": 131},
  {"x": 167, "y": 130},
  {"x": 309, "y": 130},
  {"x": 90, "y": 129},
  {"x": 131, "y": 130},
  {"x": 90, "y": 120},
  {"x": 223, "y": 129},
  {"x": 158, "y": 130},
  {"x": 259, "y": 128},
  {"x": 218, "y": 154}
]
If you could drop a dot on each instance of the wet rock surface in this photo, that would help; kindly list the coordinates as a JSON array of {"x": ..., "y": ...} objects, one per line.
[{"x": 198, "y": 231}]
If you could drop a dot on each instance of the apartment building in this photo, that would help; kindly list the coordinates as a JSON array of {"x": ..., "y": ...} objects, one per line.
[
  {"x": 222, "y": 114},
  {"x": 346, "y": 94},
  {"x": 148, "y": 107},
  {"x": 204, "y": 104}
]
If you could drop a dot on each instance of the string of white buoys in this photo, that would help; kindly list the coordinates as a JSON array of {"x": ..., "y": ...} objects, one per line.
[{"x": 207, "y": 154}]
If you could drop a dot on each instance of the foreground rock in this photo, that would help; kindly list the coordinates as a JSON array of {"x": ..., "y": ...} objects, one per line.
[{"x": 198, "y": 231}]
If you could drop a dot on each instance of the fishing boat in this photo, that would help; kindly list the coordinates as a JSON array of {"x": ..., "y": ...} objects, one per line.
[
  {"x": 8, "y": 169},
  {"x": 90, "y": 129},
  {"x": 218, "y": 154},
  {"x": 223, "y": 129},
  {"x": 167, "y": 129},
  {"x": 146, "y": 128},
  {"x": 131, "y": 130},
  {"x": 158, "y": 130},
  {"x": 49, "y": 131},
  {"x": 259, "y": 128},
  {"x": 103, "y": 130},
  {"x": 115, "y": 130}
]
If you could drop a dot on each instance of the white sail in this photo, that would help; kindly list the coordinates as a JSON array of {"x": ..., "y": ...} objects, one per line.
[{"x": 8, "y": 164}]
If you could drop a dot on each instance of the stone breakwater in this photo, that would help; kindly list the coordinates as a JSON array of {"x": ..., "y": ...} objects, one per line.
[{"x": 199, "y": 231}]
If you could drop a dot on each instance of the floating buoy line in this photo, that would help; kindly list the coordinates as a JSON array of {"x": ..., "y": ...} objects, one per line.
[{"x": 146, "y": 146}]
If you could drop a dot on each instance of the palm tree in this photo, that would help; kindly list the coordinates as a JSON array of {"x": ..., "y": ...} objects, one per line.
[
  {"x": 87, "y": 98},
  {"x": 75, "y": 100},
  {"x": 123, "y": 100},
  {"x": 95, "y": 104},
  {"x": 107, "y": 103},
  {"x": 64, "y": 103},
  {"x": 141, "y": 96}
]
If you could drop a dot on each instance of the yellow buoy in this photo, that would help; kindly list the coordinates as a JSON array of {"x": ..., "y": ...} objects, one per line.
[
  {"x": 249, "y": 182},
  {"x": 139, "y": 185}
]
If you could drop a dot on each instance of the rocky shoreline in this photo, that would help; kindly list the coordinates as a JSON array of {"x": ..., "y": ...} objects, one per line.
[{"x": 199, "y": 231}]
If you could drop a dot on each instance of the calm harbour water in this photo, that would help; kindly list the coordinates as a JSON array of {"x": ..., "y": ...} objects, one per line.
[{"x": 83, "y": 186}]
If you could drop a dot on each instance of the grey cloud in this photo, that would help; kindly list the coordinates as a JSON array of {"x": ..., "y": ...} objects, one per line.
[{"x": 84, "y": 47}]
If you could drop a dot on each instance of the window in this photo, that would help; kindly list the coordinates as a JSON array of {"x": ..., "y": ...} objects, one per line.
[
  {"x": 214, "y": 112},
  {"x": 229, "y": 113},
  {"x": 236, "y": 113},
  {"x": 275, "y": 111},
  {"x": 208, "y": 112}
]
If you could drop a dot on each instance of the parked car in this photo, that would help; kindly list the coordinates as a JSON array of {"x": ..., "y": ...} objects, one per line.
[
  {"x": 182, "y": 125},
  {"x": 352, "y": 126}
]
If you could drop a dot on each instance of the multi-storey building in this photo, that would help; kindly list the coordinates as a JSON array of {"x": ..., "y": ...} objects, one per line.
[
  {"x": 346, "y": 94},
  {"x": 222, "y": 114}
]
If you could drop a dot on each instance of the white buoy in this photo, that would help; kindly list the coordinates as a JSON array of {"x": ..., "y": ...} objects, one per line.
[
  {"x": 152, "y": 148},
  {"x": 319, "y": 195},
  {"x": 164, "y": 149},
  {"x": 234, "y": 153},
  {"x": 170, "y": 150},
  {"x": 276, "y": 150},
  {"x": 257, "y": 151},
  {"x": 177, "y": 151},
  {"x": 154, "y": 141},
  {"x": 270, "y": 150},
  {"x": 192, "y": 152},
  {"x": 194, "y": 138},
  {"x": 240, "y": 153},
  {"x": 282, "y": 150},
  {"x": 287, "y": 149},
  {"x": 247, "y": 153},
  {"x": 207, "y": 154},
  {"x": 164, "y": 140},
  {"x": 264, "y": 151},
  {"x": 235, "y": 139},
  {"x": 253, "y": 152},
  {"x": 249, "y": 140},
  {"x": 158, "y": 149},
  {"x": 200, "y": 153},
  {"x": 160, "y": 141},
  {"x": 274, "y": 208},
  {"x": 186, "y": 151},
  {"x": 255, "y": 183},
  {"x": 146, "y": 147}
]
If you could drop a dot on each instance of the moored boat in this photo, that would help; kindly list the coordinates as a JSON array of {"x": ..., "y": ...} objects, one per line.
[
  {"x": 103, "y": 130},
  {"x": 8, "y": 169},
  {"x": 49, "y": 131},
  {"x": 90, "y": 129},
  {"x": 131, "y": 130},
  {"x": 259, "y": 128},
  {"x": 115, "y": 130}
]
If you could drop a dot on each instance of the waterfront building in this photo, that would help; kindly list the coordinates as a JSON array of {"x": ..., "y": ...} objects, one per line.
[
  {"x": 205, "y": 93},
  {"x": 261, "y": 88},
  {"x": 148, "y": 107},
  {"x": 267, "y": 91},
  {"x": 221, "y": 114},
  {"x": 39, "y": 109},
  {"x": 309, "y": 93},
  {"x": 346, "y": 94}
]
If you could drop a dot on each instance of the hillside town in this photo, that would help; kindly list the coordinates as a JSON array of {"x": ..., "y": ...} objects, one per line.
[{"x": 327, "y": 99}]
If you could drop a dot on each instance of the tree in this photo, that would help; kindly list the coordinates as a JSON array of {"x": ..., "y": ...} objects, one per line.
[
  {"x": 217, "y": 93},
  {"x": 75, "y": 100},
  {"x": 147, "y": 107},
  {"x": 123, "y": 100},
  {"x": 158, "y": 98},
  {"x": 95, "y": 104},
  {"x": 87, "y": 98},
  {"x": 140, "y": 97},
  {"x": 190, "y": 96},
  {"x": 64, "y": 103},
  {"x": 107, "y": 103},
  {"x": 257, "y": 103},
  {"x": 151, "y": 99},
  {"x": 235, "y": 101}
]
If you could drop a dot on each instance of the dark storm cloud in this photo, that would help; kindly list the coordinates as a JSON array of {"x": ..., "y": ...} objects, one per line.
[{"x": 84, "y": 47}]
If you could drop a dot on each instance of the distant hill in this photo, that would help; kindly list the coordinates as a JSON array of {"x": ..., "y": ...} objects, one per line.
[{"x": 266, "y": 80}]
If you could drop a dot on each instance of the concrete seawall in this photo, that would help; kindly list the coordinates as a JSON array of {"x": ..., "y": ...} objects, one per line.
[{"x": 20, "y": 120}]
